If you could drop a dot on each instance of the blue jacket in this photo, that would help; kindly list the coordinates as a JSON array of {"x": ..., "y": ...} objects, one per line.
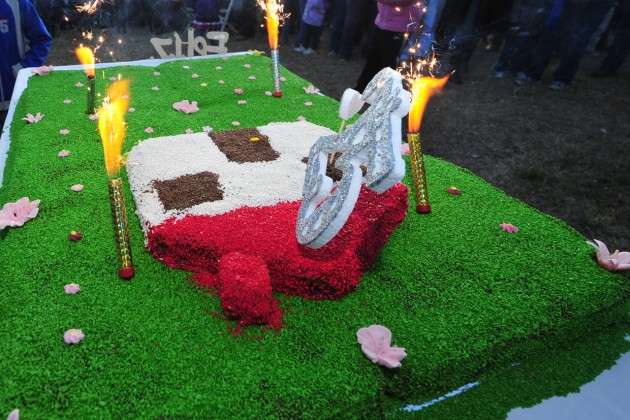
[{"x": 19, "y": 22}]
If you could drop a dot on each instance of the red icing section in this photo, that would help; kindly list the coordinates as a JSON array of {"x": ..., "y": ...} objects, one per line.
[
  {"x": 197, "y": 243},
  {"x": 245, "y": 290}
]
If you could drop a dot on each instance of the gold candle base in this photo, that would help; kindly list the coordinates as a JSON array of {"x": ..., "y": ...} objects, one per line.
[
  {"x": 419, "y": 175},
  {"x": 119, "y": 216},
  {"x": 90, "y": 95}
]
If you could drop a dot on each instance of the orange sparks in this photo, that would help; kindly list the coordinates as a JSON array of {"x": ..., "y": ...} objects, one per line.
[
  {"x": 111, "y": 124},
  {"x": 86, "y": 57},
  {"x": 421, "y": 90},
  {"x": 89, "y": 7},
  {"x": 273, "y": 15}
]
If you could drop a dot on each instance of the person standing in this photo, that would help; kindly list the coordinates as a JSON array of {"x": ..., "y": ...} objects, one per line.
[
  {"x": 206, "y": 16},
  {"x": 313, "y": 24},
  {"x": 24, "y": 42},
  {"x": 387, "y": 36},
  {"x": 526, "y": 22}
]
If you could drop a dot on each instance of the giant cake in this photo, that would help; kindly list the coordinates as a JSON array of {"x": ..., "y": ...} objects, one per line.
[{"x": 458, "y": 292}]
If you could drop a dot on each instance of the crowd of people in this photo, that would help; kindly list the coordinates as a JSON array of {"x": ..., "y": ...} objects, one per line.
[{"x": 528, "y": 33}]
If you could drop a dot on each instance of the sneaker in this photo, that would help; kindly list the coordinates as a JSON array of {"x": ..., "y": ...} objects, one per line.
[
  {"x": 299, "y": 48},
  {"x": 309, "y": 51},
  {"x": 523, "y": 80},
  {"x": 499, "y": 75},
  {"x": 558, "y": 86}
]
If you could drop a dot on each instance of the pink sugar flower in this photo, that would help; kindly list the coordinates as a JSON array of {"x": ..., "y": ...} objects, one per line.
[
  {"x": 268, "y": 93},
  {"x": 14, "y": 415},
  {"x": 73, "y": 336},
  {"x": 125, "y": 96},
  {"x": 206, "y": 129},
  {"x": 242, "y": 102},
  {"x": 375, "y": 343},
  {"x": 218, "y": 68},
  {"x": 225, "y": 58},
  {"x": 156, "y": 73},
  {"x": 32, "y": 119},
  {"x": 131, "y": 109},
  {"x": 247, "y": 66},
  {"x": 93, "y": 117},
  {"x": 195, "y": 76},
  {"x": 64, "y": 132},
  {"x": 155, "y": 88},
  {"x": 148, "y": 130},
  {"x": 404, "y": 149},
  {"x": 508, "y": 227},
  {"x": 78, "y": 84},
  {"x": 238, "y": 91},
  {"x": 76, "y": 187},
  {"x": 311, "y": 90},
  {"x": 301, "y": 118},
  {"x": 42, "y": 71},
  {"x": 221, "y": 82},
  {"x": 18, "y": 213},
  {"x": 63, "y": 153},
  {"x": 72, "y": 289},
  {"x": 236, "y": 123},
  {"x": 308, "y": 103},
  {"x": 617, "y": 262},
  {"x": 67, "y": 101},
  {"x": 252, "y": 77},
  {"x": 283, "y": 79},
  {"x": 113, "y": 79},
  {"x": 186, "y": 107},
  {"x": 189, "y": 131}
]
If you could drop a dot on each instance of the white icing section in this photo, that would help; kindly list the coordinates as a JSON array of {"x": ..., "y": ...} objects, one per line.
[{"x": 244, "y": 184}]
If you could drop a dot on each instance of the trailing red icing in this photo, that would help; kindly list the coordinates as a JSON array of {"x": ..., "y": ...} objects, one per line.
[{"x": 199, "y": 243}]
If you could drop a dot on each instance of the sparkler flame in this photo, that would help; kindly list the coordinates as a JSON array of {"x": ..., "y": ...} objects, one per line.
[
  {"x": 86, "y": 57},
  {"x": 421, "y": 90},
  {"x": 90, "y": 7},
  {"x": 274, "y": 15},
  {"x": 111, "y": 124}
]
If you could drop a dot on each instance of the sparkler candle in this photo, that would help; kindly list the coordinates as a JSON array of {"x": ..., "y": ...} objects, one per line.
[
  {"x": 273, "y": 15},
  {"x": 86, "y": 57},
  {"x": 111, "y": 126},
  {"x": 421, "y": 90}
]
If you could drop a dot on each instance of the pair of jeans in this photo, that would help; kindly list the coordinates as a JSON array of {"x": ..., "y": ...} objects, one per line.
[
  {"x": 516, "y": 53},
  {"x": 338, "y": 18},
  {"x": 620, "y": 46},
  {"x": 357, "y": 14},
  {"x": 579, "y": 21}
]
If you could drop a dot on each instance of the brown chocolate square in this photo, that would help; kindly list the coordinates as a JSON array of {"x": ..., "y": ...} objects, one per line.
[
  {"x": 189, "y": 190},
  {"x": 238, "y": 146}
]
